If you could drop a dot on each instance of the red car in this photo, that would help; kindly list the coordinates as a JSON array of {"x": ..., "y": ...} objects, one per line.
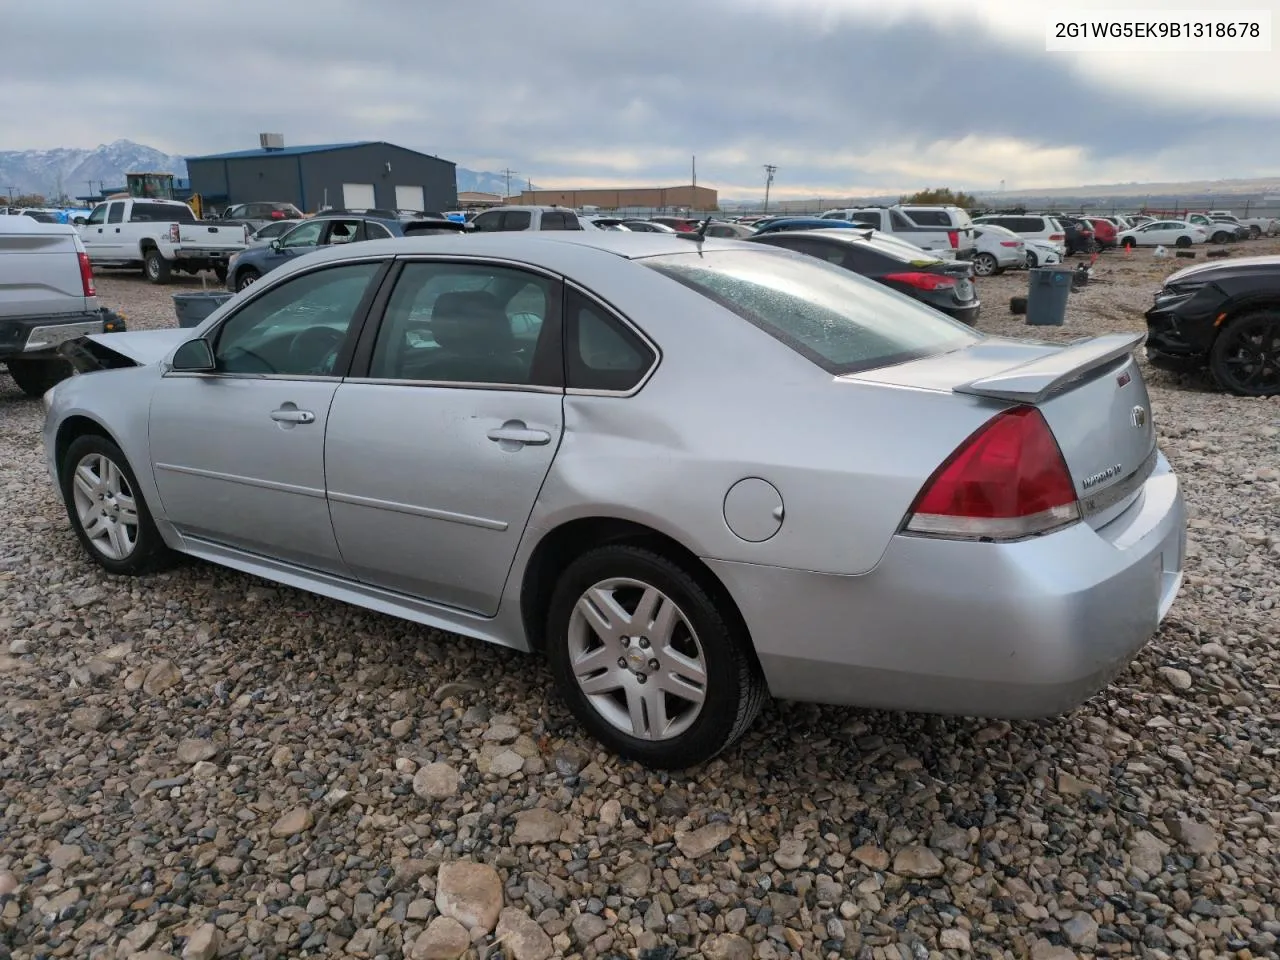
[{"x": 1104, "y": 232}]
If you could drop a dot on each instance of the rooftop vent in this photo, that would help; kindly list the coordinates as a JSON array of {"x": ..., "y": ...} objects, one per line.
[{"x": 271, "y": 141}]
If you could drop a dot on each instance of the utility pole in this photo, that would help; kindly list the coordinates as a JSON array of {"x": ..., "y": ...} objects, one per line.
[
  {"x": 509, "y": 173},
  {"x": 769, "y": 170},
  {"x": 11, "y": 189}
]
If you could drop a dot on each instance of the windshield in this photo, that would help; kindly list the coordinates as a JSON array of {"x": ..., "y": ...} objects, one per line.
[{"x": 840, "y": 321}]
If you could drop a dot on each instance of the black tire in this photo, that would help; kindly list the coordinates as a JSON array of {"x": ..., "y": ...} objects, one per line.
[
  {"x": 1183, "y": 241},
  {"x": 220, "y": 273},
  {"x": 1222, "y": 237},
  {"x": 246, "y": 278},
  {"x": 1130, "y": 243},
  {"x": 734, "y": 689},
  {"x": 1033, "y": 260},
  {"x": 1255, "y": 231},
  {"x": 36, "y": 375},
  {"x": 1018, "y": 306},
  {"x": 985, "y": 265},
  {"x": 1245, "y": 356},
  {"x": 156, "y": 267},
  {"x": 148, "y": 552}
]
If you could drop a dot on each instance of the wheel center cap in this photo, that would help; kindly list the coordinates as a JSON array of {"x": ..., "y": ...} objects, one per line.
[{"x": 637, "y": 660}]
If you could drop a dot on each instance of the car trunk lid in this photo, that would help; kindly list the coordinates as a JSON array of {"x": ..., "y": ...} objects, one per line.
[{"x": 1091, "y": 393}]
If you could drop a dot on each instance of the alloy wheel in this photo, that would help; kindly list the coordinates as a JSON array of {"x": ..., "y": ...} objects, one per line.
[
  {"x": 1249, "y": 357},
  {"x": 636, "y": 657},
  {"x": 105, "y": 506}
]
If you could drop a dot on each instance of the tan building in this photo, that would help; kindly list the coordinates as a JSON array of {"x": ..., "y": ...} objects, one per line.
[
  {"x": 471, "y": 200},
  {"x": 690, "y": 197}
]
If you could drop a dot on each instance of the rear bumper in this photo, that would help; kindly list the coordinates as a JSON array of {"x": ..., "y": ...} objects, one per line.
[
  {"x": 966, "y": 314},
  {"x": 40, "y": 336},
  {"x": 1027, "y": 629},
  {"x": 206, "y": 256}
]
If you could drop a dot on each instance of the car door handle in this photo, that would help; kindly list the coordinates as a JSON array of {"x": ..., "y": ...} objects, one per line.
[
  {"x": 288, "y": 415},
  {"x": 514, "y": 431}
]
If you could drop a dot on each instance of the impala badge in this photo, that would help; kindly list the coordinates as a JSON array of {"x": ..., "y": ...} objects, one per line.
[
  {"x": 1101, "y": 477},
  {"x": 1138, "y": 417}
]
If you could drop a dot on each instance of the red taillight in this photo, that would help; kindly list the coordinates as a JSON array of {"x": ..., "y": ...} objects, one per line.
[
  {"x": 953, "y": 237},
  {"x": 277, "y": 214},
  {"x": 86, "y": 276},
  {"x": 1010, "y": 243},
  {"x": 174, "y": 233},
  {"x": 1007, "y": 481},
  {"x": 922, "y": 281},
  {"x": 1058, "y": 236}
]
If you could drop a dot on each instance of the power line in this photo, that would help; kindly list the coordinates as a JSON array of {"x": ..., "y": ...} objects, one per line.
[{"x": 509, "y": 173}]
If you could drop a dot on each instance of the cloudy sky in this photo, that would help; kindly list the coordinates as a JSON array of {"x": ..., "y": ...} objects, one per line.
[{"x": 844, "y": 96}]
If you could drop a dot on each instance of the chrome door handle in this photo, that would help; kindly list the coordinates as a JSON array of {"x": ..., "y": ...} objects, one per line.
[
  {"x": 517, "y": 432},
  {"x": 284, "y": 415}
]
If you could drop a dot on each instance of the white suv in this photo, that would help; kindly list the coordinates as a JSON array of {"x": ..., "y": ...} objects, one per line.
[
  {"x": 942, "y": 230},
  {"x": 514, "y": 218}
]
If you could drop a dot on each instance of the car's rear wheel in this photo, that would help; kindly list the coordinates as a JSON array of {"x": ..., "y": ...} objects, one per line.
[
  {"x": 985, "y": 265},
  {"x": 36, "y": 375},
  {"x": 1130, "y": 243},
  {"x": 1255, "y": 231},
  {"x": 1183, "y": 241},
  {"x": 1245, "y": 358},
  {"x": 1033, "y": 261},
  {"x": 106, "y": 509},
  {"x": 220, "y": 273},
  {"x": 246, "y": 278},
  {"x": 649, "y": 662},
  {"x": 1222, "y": 237}
]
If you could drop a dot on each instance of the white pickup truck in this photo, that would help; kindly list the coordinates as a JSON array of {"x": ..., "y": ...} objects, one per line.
[
  {"x": 945, "y": 231},
  {"x": 1257, "y": 226},
  {"x": 160, "y": 236}
]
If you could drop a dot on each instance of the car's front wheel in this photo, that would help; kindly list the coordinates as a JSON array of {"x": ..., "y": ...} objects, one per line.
[
  {"x": 106, "y": 509},
  {"x": 246, "y": 278},
  {"x": 1183, "y": 241},
  {"x": 1245, "y": 357},
  {"x": 648, "y": 660}
]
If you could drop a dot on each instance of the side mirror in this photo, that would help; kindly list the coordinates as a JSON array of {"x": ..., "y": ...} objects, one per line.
[
  {"x": 79, "y": 221},
  {"x": 194, "y": 356},
  {"x": 275, "y": 245}
]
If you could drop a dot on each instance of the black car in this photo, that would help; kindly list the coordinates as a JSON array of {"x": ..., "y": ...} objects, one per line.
[
  {"x": 1225, "y": 315},
  {"x": 945, "y": 285},
  {"x": 1079, "y": 233}
]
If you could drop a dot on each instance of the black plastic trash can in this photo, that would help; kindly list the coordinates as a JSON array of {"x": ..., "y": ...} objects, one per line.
[
  {"x": 193, "y": 308},
  {"x": 1047, "y": 292}
]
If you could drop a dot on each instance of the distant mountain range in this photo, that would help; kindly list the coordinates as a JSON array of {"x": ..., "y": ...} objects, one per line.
[{"x": 78, "y": 172}]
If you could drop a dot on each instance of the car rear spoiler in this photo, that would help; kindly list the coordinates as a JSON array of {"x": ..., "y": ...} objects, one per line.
[{"x": 1037, "y": 380}]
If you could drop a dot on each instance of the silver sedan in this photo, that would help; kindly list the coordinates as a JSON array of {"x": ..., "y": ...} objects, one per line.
[{"x": 690, "y": 473}]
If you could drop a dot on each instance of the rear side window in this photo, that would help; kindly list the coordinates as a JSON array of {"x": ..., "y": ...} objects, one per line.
[
  {"x": 834, "y": 318},
  {"x": 930, "y": 218},
  {"x": 161, "y": 213},
  {"x": 516, "y": 220},
  {"x": 601, "y": 352}
]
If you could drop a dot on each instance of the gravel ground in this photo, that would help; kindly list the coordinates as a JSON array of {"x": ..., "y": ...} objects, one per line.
[{"x": 202, "y": 764}]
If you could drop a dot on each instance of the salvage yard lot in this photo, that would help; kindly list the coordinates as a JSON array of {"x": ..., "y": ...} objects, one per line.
[{"x": 203, "y": 747}]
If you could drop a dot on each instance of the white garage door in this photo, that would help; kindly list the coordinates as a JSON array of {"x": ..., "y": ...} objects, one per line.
[
  {"x": 409, "y": 198},
  {"x": 357, "y": 196}
]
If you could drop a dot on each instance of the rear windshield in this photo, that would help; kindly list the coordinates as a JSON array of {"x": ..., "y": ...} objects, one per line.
[{"x": 840, "y": 321}]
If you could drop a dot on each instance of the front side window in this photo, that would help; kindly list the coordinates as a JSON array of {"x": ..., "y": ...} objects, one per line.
[
  {"x": 298, "y": 327},
  {"x": 99, "y": 215},
  {"x": 307, "y": 235},
  {"x": 467, "y": 323},
  {"x": 833, "y": 317},
  {"x": 488, "y": 222},
  {"x": 602, "y": 353}
]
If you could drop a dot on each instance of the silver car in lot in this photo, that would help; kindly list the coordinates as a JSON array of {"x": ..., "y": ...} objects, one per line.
[{"x": 690, "y": 473}]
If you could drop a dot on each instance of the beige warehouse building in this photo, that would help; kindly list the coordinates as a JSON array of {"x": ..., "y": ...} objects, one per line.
[{"x": 623, "y": 198}]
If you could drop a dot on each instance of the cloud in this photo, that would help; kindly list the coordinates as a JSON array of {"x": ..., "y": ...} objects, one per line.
[{"x": 845, "y": 97}]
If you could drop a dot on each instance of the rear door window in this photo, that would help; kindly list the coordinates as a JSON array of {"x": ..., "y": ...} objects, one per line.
[
  {"x": 115, "y": 212},
  {"x": 838, "y": 320},
  {"x": 516, "y": 220}
]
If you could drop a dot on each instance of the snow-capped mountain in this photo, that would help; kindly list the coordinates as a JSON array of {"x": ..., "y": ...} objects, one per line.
[{"x": 69, "y": 170}]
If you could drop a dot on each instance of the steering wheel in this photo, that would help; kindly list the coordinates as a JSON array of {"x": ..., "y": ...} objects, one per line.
[{"x": 315, "y": 349}]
